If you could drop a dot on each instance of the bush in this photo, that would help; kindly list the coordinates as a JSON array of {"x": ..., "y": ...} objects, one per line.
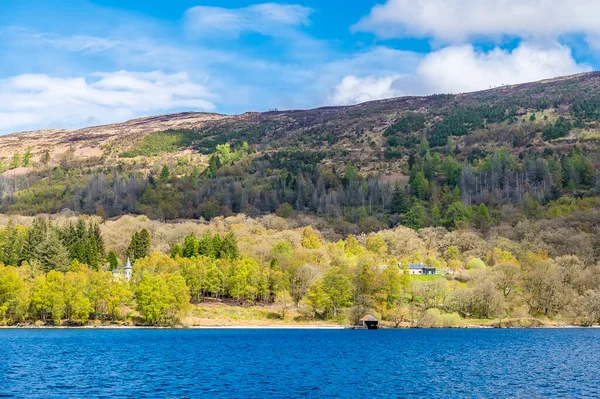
[
  {"x": 435, "y": 318},
  {"x": 560, "y": 128},
  {"x": 285, "y": 210},
  {"x": 476, "y": 264}
]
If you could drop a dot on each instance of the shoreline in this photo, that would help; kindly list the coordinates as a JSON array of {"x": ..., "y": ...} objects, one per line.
[
  {"x": 241, "y": 327},
  {"x": 290, "y": 327}
]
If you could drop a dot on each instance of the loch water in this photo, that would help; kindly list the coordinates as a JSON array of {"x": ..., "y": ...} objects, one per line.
[{"x": 251, "y": 363}]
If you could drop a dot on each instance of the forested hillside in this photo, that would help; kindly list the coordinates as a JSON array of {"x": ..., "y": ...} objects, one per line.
[
  {"x": 507, "y": 154},
  {"x": 239, "y": 270},
  {"x": 498, "y": 190}
]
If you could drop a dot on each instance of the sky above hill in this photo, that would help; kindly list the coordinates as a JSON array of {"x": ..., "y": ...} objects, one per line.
[{"x": 71, "y": 63}]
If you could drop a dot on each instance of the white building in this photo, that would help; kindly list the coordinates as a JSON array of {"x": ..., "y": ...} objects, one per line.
[
  {"x": 124, "y": 271},
  {"x": 419, "y": 269}
]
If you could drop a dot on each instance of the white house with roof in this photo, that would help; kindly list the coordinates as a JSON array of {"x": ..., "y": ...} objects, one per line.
[
  {"x": 419, "y": 269},
  {"x": 123, "y": 271}
]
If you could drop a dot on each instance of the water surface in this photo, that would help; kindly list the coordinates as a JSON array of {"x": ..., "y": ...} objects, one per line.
[{"x": 299, "y": 363}]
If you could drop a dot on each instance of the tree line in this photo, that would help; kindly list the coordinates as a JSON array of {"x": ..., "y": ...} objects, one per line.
[{"x": 338, "y": 281}]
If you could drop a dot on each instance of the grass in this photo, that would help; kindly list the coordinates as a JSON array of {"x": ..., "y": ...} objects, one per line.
[
  {"x": 427, "y": 278},
  {"x": 234, "y": 313},
  {"x": 217, "y": 313},
  {"x": 589, "y": 135}
]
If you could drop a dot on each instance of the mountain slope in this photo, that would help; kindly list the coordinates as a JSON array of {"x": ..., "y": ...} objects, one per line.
[
  {"x": 358, "y": 128},
  {"x": 476, "y": 158}
]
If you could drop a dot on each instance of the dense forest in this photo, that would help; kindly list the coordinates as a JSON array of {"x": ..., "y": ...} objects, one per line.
[{"x": 60, "y": 273}]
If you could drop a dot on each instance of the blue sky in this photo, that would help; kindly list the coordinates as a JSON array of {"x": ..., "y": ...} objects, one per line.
[{"x": 67, "y": 64}]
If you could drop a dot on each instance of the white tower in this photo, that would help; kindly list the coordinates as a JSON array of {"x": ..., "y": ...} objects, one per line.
[{"x": 128, "y": 270}]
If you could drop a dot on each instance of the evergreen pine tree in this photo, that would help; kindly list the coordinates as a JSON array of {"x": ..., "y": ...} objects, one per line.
[
  {"x": 216, "y": 244},
  {"x": 400, "y": 203},
  {"x": 165, "y": 173},
  {"x": 190, "y": 246},
  {"x": 113, "y": 260},
  {"x": 131, "y": 249},
  {"x": 25, "y": 161},
  {"x": 176, "y": 251},
  {"x": 143, "y": 245},
  {"x": 229, "y": 247},
  {"x": 206, "y": 246},
  {"x": 15, "y": 161}
]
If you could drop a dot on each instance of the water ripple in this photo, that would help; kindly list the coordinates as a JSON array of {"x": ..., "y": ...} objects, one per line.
[{"x": 299, "y": 363}]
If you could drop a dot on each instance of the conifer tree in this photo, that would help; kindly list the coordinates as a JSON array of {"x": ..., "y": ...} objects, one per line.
[
  {"x": 229, "y": 247},
  {"x": 216, "y": 243},
  {"x": 113, "y": 260},
  {"x": 15, "y": 161},
  {"x": 165, "y": 173},
  {"x": 139, "y": 247},
  {"x": 25, "y": 161},
  {"x": 205, "y": 246},
  {"x": 400, "y": 203},
  {"x": 190, "y": 246},
  {"x": 176, "y": 251}
]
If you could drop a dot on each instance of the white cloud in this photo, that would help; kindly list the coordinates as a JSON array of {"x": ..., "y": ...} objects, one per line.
[
  {"x": 458, "y": 69},
  {"x": 42, "y": 101},
  {"x": 353, "y": 89},
  {"x": 459, "y": 20},
  {"x": 266, "y": 19}
]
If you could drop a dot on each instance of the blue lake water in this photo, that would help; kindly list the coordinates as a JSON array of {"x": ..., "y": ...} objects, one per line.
[{"x": 299, "y": 363}]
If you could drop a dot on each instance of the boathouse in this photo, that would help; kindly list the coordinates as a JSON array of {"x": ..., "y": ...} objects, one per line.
[{"x": 369, "y": 322}]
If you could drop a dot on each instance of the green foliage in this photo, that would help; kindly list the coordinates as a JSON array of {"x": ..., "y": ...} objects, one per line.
[
  {"x": 408, "y": 123},
  {"x": 176, "y": 251},
  {"x": 206, "y": 246},
  {"x": 165, "y": 173},
  {"x": 376, "y": 244},
  {"x": 476, "y": 264},
  {"x": 285, "y": 210},
  {"x": 456, "y": 213},
  {"x": 15, "y": 161},
  {"x": 84, "y": 243},
  {"x": 462, "y": 120},
  {"x": 318, "y": 300},
  {"x": 73, "y": 296},
  {"x": 139, "y": 246},
  {"x": 416, "y": 217},
  {"x": 419, "y": 184},
  {"x": 338, "y": 287},
  {"x": 162, "y": 142},
  {"x": 162, "y": 299},
  {"x": 282, "y": 248},
  {"x": 400, "y": 203},
  {"x": 44, "y": 245},
  {"x": 229, "y": 247},
  {"x": 112, "y": 259},
  {"x": 560, "y": 128},
  {"x": 190, "y": 246},
  {"x": 25, "y": 161},
  {"x": 310, "y": 240},
  {"x": 213, "y": 247}
]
